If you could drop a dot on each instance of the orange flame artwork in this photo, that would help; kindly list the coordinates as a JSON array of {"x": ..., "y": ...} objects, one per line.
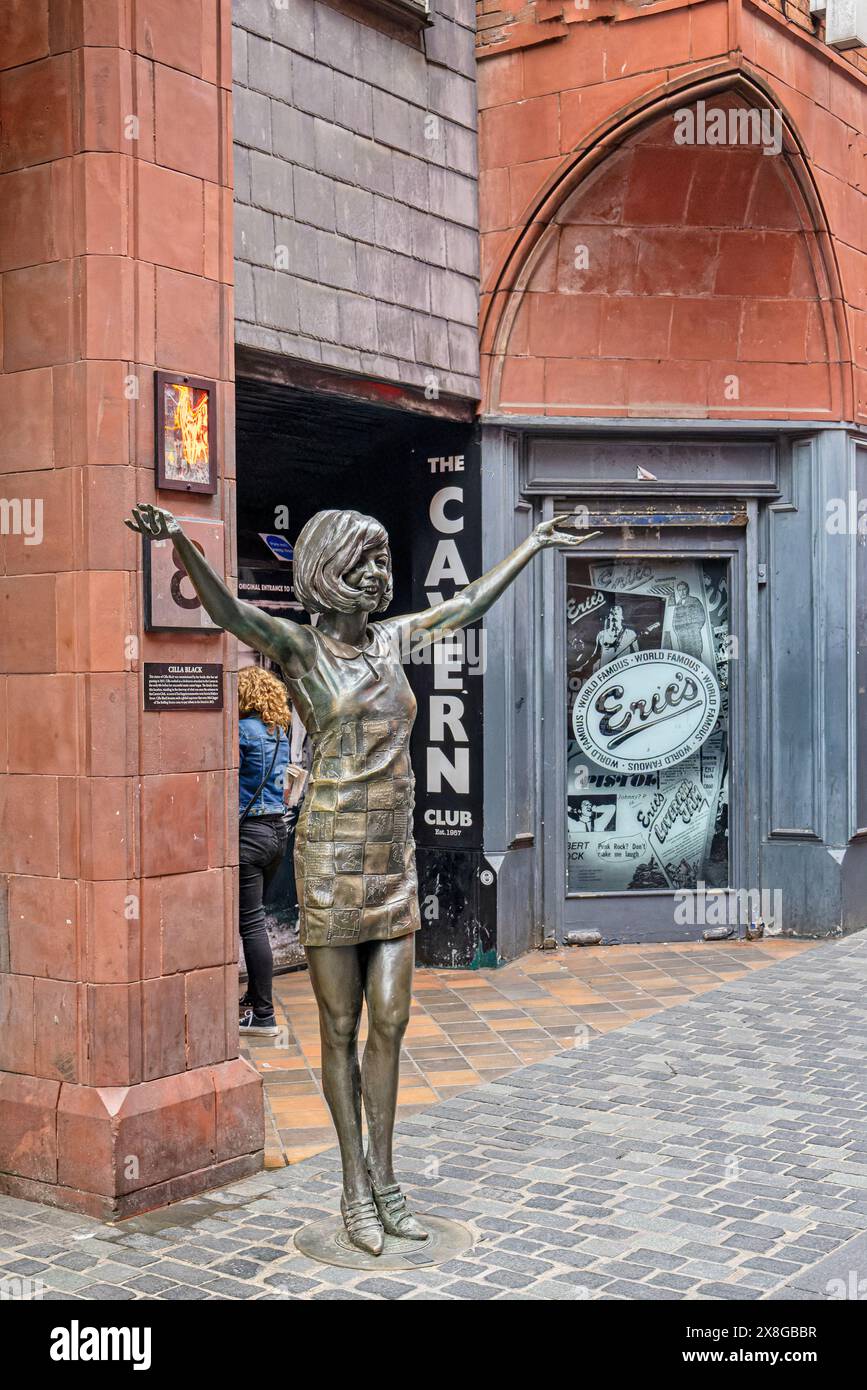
[{"x": 187, "y": 439}]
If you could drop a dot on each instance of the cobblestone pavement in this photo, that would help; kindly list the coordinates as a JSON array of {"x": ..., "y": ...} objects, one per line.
[
  {"x": 715, "y": 1151},
  {"x": 468, "y": 1027}
]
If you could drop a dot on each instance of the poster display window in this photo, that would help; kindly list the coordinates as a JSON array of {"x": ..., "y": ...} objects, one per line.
[{"x": 647, "y": 723}]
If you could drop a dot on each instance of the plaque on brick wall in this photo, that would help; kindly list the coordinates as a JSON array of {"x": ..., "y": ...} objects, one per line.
[
  {"x": 183, "y": 685},
  {"x": 171, "y": 604}
]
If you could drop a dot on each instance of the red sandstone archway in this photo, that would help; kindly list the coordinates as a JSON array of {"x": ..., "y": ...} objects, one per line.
[{"x": 661, "y": 278}]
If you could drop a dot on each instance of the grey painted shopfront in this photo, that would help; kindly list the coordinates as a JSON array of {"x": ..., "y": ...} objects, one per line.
[{"x": 767, "y": 815}]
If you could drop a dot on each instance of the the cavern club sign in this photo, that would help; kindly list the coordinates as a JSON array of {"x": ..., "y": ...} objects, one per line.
[
  {"x": 646, "y": 711},
  {"x": 445, "y": 499}
]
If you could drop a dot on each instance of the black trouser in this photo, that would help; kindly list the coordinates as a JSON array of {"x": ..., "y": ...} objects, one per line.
[{"x": 262, "y": 846}]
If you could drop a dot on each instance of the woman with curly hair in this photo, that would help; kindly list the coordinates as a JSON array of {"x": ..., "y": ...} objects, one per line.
[{"x": 263, "y": 711}]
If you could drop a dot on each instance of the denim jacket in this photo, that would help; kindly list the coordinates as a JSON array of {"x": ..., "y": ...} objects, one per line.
[{"x": 256, "y": 746}]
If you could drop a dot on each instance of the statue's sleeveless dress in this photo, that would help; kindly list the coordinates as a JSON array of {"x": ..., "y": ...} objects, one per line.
[{"x": 354, "y": 851}]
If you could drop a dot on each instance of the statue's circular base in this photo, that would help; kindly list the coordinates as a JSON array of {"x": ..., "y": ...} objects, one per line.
[{"x": 327, "y": 1242}]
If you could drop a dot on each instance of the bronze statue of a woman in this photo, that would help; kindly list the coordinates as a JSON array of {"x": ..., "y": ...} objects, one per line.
[{"x": 354, "y": 851}]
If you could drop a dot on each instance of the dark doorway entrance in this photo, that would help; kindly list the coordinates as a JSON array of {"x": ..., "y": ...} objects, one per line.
[{"x": 301, "y": 451}]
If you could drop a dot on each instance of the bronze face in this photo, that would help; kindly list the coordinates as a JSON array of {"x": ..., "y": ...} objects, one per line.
[{"x": 371, "y": 578}]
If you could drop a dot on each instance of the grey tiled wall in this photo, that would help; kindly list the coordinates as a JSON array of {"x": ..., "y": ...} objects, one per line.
[{"x": 356, "y": 219}]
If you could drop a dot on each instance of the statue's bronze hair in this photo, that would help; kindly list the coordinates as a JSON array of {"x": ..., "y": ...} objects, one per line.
[{"x": 331, "y": 544}]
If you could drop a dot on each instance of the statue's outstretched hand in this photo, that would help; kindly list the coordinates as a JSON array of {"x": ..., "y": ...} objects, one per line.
[
  {"x": 550, "y": 532},
  {"x": 152, "y": 521}
]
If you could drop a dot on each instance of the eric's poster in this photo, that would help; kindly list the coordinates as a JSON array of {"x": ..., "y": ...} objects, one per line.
[{"x": 647, "y": 747}]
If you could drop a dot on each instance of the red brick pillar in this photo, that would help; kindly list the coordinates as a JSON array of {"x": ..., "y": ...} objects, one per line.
[{"x": 120, "y": 1083}]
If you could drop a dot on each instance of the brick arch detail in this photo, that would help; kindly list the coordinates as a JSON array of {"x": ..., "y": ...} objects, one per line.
[{"x": 712, "y": 287}]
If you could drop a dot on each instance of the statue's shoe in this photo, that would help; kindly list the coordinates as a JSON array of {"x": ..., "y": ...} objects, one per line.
[
  {"x": 395, "y": 1215},
  {"x": 363, "y": 1225}
]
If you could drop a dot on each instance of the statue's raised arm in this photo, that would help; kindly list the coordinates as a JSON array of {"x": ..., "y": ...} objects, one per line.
[
  {"x": 287, "y": 643},
  {"x": 474, "y": 601}
]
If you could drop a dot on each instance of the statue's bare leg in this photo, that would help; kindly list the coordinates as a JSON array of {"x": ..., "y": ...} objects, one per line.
[
  {"x": 388, "y": 990},
  {"x": 336, "y": 975}
]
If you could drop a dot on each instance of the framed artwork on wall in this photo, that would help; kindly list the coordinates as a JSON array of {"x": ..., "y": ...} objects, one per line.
[{"x": 185, "y": 454}]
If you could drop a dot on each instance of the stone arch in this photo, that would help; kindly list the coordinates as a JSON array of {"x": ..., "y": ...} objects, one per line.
[{"x": 656, "y": 277}]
